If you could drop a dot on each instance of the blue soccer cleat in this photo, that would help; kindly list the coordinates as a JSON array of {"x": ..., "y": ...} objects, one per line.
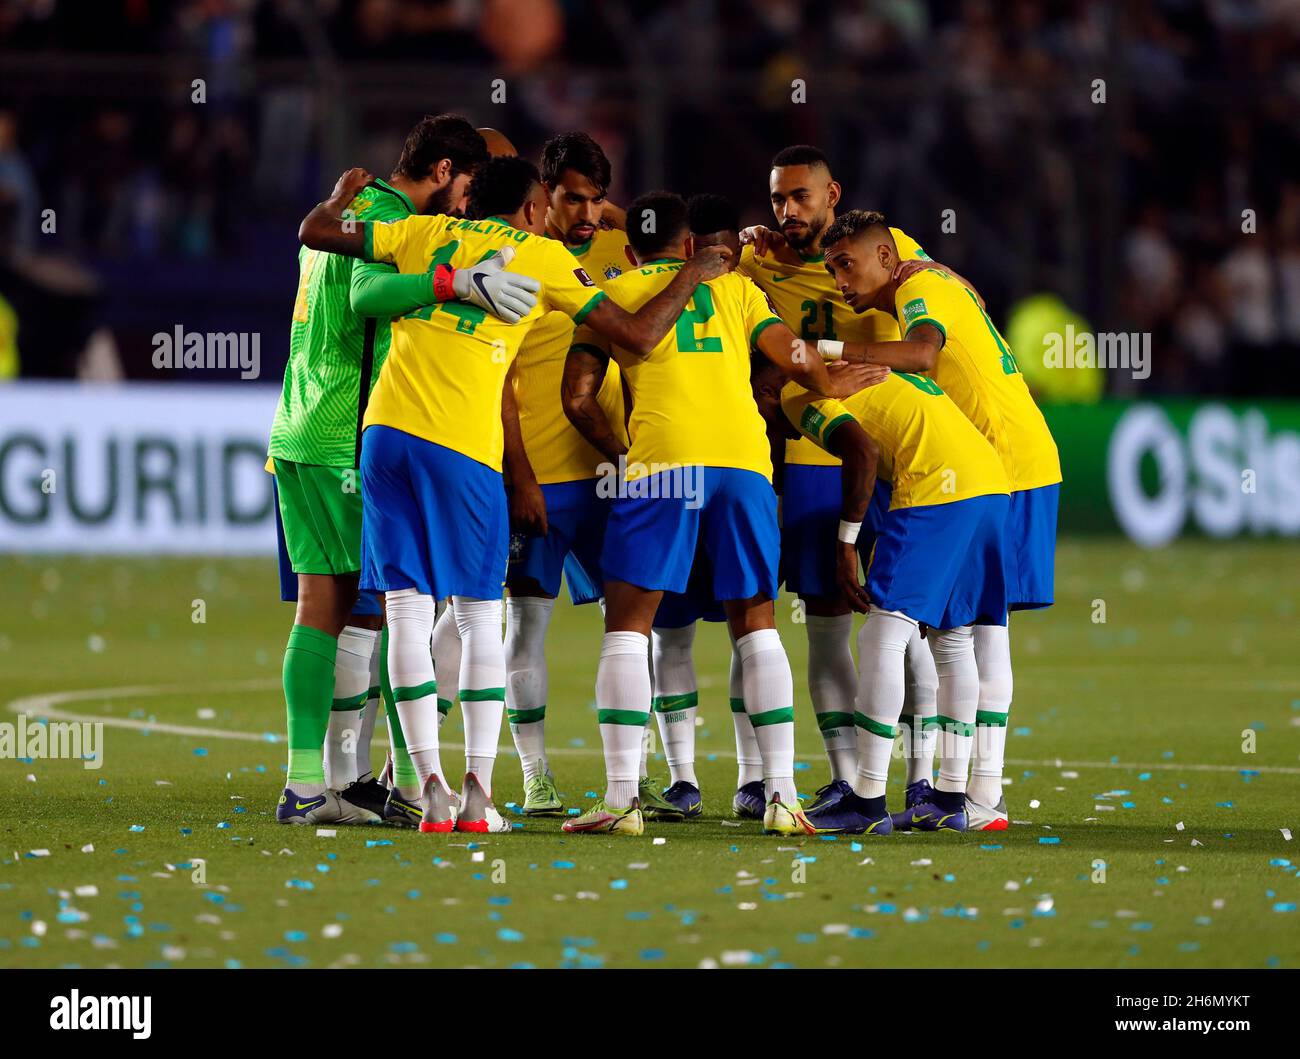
[
  {"x": 830, "y": 794},
  {"x": 750, "y": 802},
  {"x": 851, "y": 815},
  {"x": 686, "y": 797},
  {"x": 938, "y": 814},
  {"x": 916, "y": 794}
]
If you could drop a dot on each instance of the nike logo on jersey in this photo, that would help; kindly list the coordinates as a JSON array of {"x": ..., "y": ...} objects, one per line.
[{"x": 781, "y": 279}]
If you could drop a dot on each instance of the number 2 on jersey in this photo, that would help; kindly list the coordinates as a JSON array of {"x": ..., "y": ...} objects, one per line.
[{"x": 699, "y": 310}]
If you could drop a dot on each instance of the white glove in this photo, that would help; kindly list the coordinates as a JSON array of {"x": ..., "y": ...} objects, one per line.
[{"x": 509, "y": 296}]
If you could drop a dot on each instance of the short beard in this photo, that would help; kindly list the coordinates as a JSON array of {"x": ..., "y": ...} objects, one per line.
[
  {"x": 440, "y": 200},
  {"x": 801, "y": 242}
]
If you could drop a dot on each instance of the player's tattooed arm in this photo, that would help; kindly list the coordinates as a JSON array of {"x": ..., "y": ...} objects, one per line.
[
  {"x": 859, "y": 457},
  {"x": 801, "y": 364},
  {"x": 613, "y": 217},
  {"x": 640, "y": 332},
  {"x": 527, "y": 504},
  {"x": 584, "y": 373},
  {"x": 918, "y": 352},
  {"x": 328, "y": 227}
]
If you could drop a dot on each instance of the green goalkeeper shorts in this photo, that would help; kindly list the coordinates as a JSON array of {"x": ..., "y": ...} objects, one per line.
[{"x": 321, "y": 511}]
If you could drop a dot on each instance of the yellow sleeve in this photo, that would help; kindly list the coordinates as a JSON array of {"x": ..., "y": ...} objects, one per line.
[
  {"x": 814, "y": 416},
  {"x": 760, "y": 313},
  {"x": 907, "y": 246},
  {"x": 920, "y": 302},
  {"x": 565, "y": 284},
  {"x": 389, "y": 241},
  {"x": 748, "y": 263}
]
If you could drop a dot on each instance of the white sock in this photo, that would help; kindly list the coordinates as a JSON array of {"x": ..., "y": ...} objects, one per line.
[
  {"x": 446, "y": 647},
  {"x": 374, "y": 707},
  {"x": 749, "y": 761},
  {"x": 410, "y": 671},
  {"x": 482, "y": 682},
  {"x": 882, "y": 645},
  {"x": 351, "y": 689},
  {"x": 993, "y": 660},
  {"x": 959, "y": 692},
  {"x": 769, "y": 701},
  {"x": 526, "y": 685},
  {"x": 920, "y": 707},
  {"x": 623, "y": 708},
  {"x": 676, "y": 699},
  {"x": 832, "y": 684}
]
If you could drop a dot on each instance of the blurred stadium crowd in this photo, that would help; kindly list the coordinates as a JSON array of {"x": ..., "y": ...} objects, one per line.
[{"x": 1119, "y": 216}]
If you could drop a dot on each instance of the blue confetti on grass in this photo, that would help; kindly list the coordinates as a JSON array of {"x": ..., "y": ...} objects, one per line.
[
  {"x": 506, "y": 934},
  {"x": 563, "y": 865},
  {"x": 1045, "y": 840},
  {"x": 1284, "y": 906},
  {"x": 200, "y": 751},
  {"x": 618, "y": 884}
]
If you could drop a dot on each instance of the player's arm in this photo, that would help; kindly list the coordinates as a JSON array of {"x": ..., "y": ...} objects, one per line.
[
  {"x": 919, "y": 351},
  {"x": 329, "y": 228},
  {"x": 859, "y": 456},
  {"x": 584, "y": 373},
  {"x": 778, "y": 343},
  {"x": 640, "y": 332},
  {"x": 380, "y": 290},
  {"x": 613, "y": 217},
  {"x": 527, "y": 504}
]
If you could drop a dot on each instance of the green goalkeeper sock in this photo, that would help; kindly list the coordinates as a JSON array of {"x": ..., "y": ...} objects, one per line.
[
  {"x": 308, "y": 693},
  {"x": 405, "y": 778}
]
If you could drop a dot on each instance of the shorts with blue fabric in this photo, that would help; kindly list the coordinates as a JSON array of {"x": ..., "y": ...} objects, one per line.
[
  {"x": 943, "y": 564},
  {"x": 575, "y": 522},
  {"x": 1031, "y": 547},
  {"x": 655, "y": 527},
  {"x": 435, "y": 520},
  {"x": 677, "y": 610},
  {"x": 810, "y": 518}
]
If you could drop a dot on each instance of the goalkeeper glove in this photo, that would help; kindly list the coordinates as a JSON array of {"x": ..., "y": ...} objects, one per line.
[{"x": 509, "y": 296}]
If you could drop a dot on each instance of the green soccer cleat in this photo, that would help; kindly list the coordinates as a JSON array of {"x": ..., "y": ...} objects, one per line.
[
  {"x": 599, "y": 820},
  {"x": 541, "y": 798},
  {"x": 654, "y": 805}
]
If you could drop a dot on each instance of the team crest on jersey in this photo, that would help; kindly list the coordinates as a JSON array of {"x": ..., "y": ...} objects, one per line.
[
  {"x": 612, "y": 270},
  {"x": 583, "y": 278},
  {"x": 913, "y": 309}
]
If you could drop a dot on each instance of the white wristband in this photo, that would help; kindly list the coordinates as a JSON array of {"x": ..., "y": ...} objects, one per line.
[
  {"x": 849, "y": 531},
  {"x": 830, "y": 350}
]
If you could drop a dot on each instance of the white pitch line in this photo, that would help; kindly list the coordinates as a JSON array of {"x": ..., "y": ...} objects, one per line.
[{"x": 47, "y": 705}]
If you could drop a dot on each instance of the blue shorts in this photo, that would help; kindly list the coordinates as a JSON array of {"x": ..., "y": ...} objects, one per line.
[
  {"x": 575, "y": 522},
  {"x": 367, "y": 602},
  {"x": 943, "y": 564},
  {"x": 1031, "y": 547},
  {"x": 434, "y": 519},
  {"x": 810, "y": 520},
  {"x": 680, "y": 609},
  {"x": 651, "y": 539}
]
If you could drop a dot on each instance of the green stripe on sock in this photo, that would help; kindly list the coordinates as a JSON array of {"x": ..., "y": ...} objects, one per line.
[
  {"x": 429, "y": 687},
  {"x": 444, "y": 706},
  {"x": 373, "y": 693},
  {"x": 673, "y": 703},
  {"x": 956, "y": 727},
  {"x": 990, "y": 719},
  {"x": 632, "y": 718},
  {"x": 526, "y": 716},
  {"x": 482, "y": 694},
  {"x": 356, "y": 702},
  {"x": 737, "y": 705},
  {"x": 927, "y": 724},
  {"x": 828, "y": 722},
  {"x": 785, "y": 715},
  {"x": 869, "y": 724}
]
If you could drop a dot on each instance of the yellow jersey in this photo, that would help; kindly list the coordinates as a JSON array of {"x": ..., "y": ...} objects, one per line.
[
  {"x": 557, "y": 452},
  {"x": 929, "y": 451},
  {"x": 691, "y": 399},
  {"x": 977, "y": 369},
  {"x": 807, "y": 299},
  {"x": 448, "y": 361}
]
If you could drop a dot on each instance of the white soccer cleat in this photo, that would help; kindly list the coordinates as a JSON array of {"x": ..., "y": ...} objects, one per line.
[
  {"x": 986, "y": 818},
  {"x": 325, "y": 808},
  {"x": 477, "y": 813}
]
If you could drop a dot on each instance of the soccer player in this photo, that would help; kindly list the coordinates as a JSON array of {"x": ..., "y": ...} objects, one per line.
[
  {"x": 948, "y": 335},
  {"x": 698, "y": 471},
  {"x": 554, "y": 488},
  {"x": 788, "y": 266},
  {"x": 435, "y": 507},
  {"x": 336, "y": 351},
  {"x": 937, "y": 561}
]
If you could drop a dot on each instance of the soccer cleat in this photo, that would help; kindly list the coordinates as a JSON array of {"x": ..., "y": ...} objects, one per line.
[
  {"x": 849, "y": 815},
  {"x": 477, "y": 813},
  {"x": 782, "y": 819},
  {"x": 397, "y": 810},
  {"x": 985, "y": 818},
  {"x": 653, "y": 805},
  {"x": 686, "y": 797},
  {"x": 438, "y": 815},
  {"x": 366, "y": 794},
  {"x": 927, "y": 816},
  {"x": 916, "y": 794},
  {"x": 541, "y": 798},
  {"x": 830, "y": 795},
  {"x": 599, "y": 820},
  {"x": 326, "y": 808},
  {"x": 750, "y": 801}
]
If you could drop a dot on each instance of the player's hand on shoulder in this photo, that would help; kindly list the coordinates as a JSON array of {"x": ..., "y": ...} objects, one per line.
[
  {"x": 350, "y": 184},
  {"x": 763, "y": 239},
  {"x": 846, "y": 573},
  {"x": 848, "y": 378},
  {"x": 710, "y": 262},
  {"x": 509, "y": 296}
]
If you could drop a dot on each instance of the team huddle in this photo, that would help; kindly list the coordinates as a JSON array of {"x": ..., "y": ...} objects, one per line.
[{"x": 498, "y": 379}]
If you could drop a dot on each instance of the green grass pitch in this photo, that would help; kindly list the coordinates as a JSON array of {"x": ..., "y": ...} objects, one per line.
[{"x": 1127, "y": 748}]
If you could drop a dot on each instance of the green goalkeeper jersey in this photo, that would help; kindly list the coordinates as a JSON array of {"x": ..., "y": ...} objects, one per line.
[{"x": 318, "y": 418}]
